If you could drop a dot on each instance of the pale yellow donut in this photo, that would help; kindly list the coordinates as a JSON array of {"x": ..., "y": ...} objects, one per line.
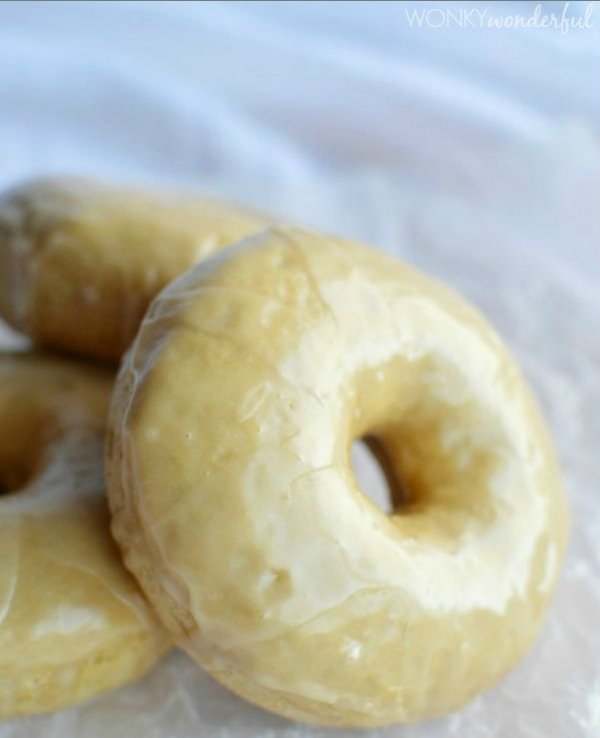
[
  {"x": 73, "y": 622},
  {"x": 81, "y": 260},
  {"x": 236, "y": 507}
]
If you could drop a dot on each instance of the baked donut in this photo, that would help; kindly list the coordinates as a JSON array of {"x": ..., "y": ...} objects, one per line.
[
  {"x": 236, "y": 507},
  {"x": 73, "y": 622},
  {"x": 81, "y": 260}
]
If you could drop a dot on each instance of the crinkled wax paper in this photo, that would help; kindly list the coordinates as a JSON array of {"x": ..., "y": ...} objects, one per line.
[{"x": 507, "y": 232}]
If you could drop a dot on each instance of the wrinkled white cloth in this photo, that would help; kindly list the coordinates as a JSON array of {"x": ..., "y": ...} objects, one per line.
[{"x": 473, "y": 153}]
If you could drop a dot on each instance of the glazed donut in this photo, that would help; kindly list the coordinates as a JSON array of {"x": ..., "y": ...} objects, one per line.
[
  {"x": 236, "y": 507},
  {"x": 73, "y": 622},
  {"x": 80, "y": 260}
]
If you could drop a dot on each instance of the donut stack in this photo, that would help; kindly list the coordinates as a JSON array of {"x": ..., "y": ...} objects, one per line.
[{"x": 205, "y": 498}]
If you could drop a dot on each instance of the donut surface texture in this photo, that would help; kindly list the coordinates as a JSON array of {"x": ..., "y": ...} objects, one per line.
[
  {"x": 80, "y": 261},
  {"x": 73, "y": 622},
  {"x": 236, "y": 507}
]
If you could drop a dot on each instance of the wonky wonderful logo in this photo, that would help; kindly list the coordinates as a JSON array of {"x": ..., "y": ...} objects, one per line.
[{"x": 569, "y": 19}]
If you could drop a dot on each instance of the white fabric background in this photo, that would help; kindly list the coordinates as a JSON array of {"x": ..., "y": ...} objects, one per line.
[{"x": 474, "y": 153}]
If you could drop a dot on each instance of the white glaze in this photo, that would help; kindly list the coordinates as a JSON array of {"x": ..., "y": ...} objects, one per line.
[{"x": 254, "y": 542}]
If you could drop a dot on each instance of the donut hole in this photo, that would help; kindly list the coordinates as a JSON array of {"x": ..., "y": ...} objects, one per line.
[
  {"x": 377, "y": 476},
  {"x": 433, "y": 458},
  {"x": 17, "y": 473},
  {"x": 13, "y": 479},
  {"x": 22, "y": 444}
]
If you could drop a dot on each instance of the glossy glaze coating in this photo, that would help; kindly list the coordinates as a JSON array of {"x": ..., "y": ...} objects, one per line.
[
  {"x": 236, "y": 507},
  {"x": 81, "y": 260},
  {"x": 73, "y": 622}
]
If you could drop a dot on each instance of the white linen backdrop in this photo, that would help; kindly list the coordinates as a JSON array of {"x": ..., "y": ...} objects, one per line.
[{"x": 470, "y": 150}]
